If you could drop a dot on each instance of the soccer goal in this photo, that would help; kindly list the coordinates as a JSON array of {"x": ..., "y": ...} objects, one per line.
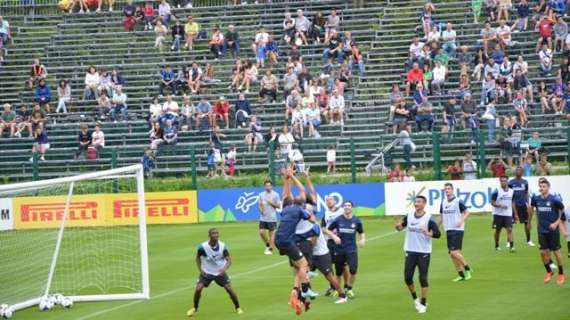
[{"x": 80, "y": 237}]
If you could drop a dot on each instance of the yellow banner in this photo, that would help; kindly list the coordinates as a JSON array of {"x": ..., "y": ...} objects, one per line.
[{"x": 105, "y": 210}]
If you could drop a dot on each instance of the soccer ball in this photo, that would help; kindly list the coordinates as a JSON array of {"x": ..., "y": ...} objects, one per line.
[
  {"x": 6, "y": 312},
  {"x": 57, "y": 298},
  {"x": 46, "y": 303},
  {"x": 66, "y": 302}
]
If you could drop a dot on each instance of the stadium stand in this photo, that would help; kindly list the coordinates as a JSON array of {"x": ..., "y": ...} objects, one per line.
[{"x": 68, "y": 43}]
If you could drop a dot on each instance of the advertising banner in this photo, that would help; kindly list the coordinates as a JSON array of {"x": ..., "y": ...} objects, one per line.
[
  {"x": 240, "y": 204},
  {"x": 476, "y": 194},
  {"x": 6, "y": 214}
]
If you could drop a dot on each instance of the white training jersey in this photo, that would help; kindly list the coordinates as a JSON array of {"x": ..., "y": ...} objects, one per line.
[
  {"x": 416, "y": 240},
  {"x": 451, "y": 212},
  {"x": 303, "y": 227},
  {"x": 214, "y": 261},
  {"x": 503, "y": 198},
  {"x": 330, "y": 215},
  {"x": 320, "y": 248}
]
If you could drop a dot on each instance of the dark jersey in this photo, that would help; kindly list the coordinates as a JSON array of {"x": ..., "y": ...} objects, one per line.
[
  {"x": 346, "y": 230},
  {"x": 520, "y": 188},
  {"x": 290, "y": 217},
  {"x": 548, "y": 210}
]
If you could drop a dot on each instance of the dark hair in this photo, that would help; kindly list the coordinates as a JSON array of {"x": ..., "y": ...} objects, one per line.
[
  {"x": 287, "y": 202},
  {"x": 212, "y": 230},
  {"x": 504, "y": 177},
  {"x": 348, "y": 201},
  {"x": 310, "y": 200},
  {"x": 543, "y": 180},
  {"x": 267, "y": 181},
  {"x": 422, "y": 197},
  {"x": 448, "y": 184}
]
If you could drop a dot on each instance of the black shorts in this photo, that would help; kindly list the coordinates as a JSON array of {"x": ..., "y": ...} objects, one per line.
[
  {"x": 323, "y": 263},
  {"x": 454, "y": 240},
  {"x": 306, "y": 248},
  {"x": 290, "y": 250},
  {"x": 500, "y": 222},
  {"x": 419, "y": 260},
  {"x": 523, "y": 213},
  {"x": 549, "y": 241},
  {"x": 331, "y": 245},
  {"x": 220, "y": 280},
  {"x": 264, "y": 225},
  {"x": 342, "y": 259}
]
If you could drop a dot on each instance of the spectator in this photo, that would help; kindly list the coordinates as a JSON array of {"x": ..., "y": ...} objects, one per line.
[
  {"x": 188, "y": 114},
  {"x": 492, "y": 68},
  {"x": 439, "y": 76},
  {"x": 169, "y": 133},
  {"x": 503, "y": 9},
  {"x": 544, "y": 96},
  {"x": 302, "y": 25},
  {"x": 103, "y": 106},
  {"x": 160, "y": 32},
  {"x": 64, "y": 95},
  {"x": 117, "y": 80},
  {"x": 408, "y": 146},
  {"x": 469, "y": 167},
  {"x": 271, "y": 139},
  {"x": 292, "y": 103},
  {"x": 336, "y": 109},
  {"x": 470, "y": 117},
  {"x": 194, "y": 78},
  {"x": 100, "y": 4},
  {"x": 222, "y": 111},
  {"x": 331, "y": 159},
  {"x": 232, "y": 41},
  {"x": 528, "y": 167},
  {"x": 119, "y": 105},
  {"x": 167, "y": 79},
  {"x": 170, "y": 111},
  {"x": 83, "y": 7},
  {"x": 43, "y": 95},
  {"x": 98, "y": 139},
  {"x": 498, "y": 167},
  {"x": 424, "y": 114},
  {"x": 231, "y": 161},
  {"x": 41, "y": 143},
  {"x": 5, "y": 33},
  {"x": 534, "y": 146},
  {"x": 506, "y": 72},
  {"x": 84, "y": 138},
  {"x": 441, "y": 57},
  {"x": 521, "y": 83},
  {"x": 7, "y": 120},
  {"x": 177, "y": 36},
  {"x": 249, "y": 76},
  {"x": 498, "y": 54},
  {"x": 523, "y": 11},
  {"x": 332, "y": 24},
  {"x": 155, "y": 111},
  {"x": 488, "y": 89},
  {"x": 147, "y": 162},
  {"x": 488, "y": 35},
  {"x": 448, "y": 37},
  {"x": 105, "y": 83},
  {"x": 490, "y": 116},
  {"x": 258, "y": 46},
  {"x": 272, "y": 51},
  {"x": 490, "y": 9},
  {"x": 521, "y": 105},
  {"x": 454, "y": 170},
  {"x": 39, "y": 117},
  {"x": 433, "y": 35},
  {"x": 269, "y": 84},
  {"x": 449, "y": 118},
  {"x": 192, "y": 29},
  {"x": 545, "y": 28},
  {"x": 395, "y": 94},
  {"x": 164, "y": 12},
  {"x": 148, "y": 15},
  {"x": 426, "y": 16},
  {"x": 312, "y": 119},
  {"x": 37, "y": 72},
  {"x": 253, "y": 137},
  {"x": 409, "y": 175},
  {"x": 504, "y": 35},
  {"x": 414, "y": 77},
  {"x": 395, "y": 175},
  {"x": 216, "y": 137},
  {"x": 560, "y": 34},
  {"x": 129, "y": 20},
  {"x": 92, "y": 81},
  {"x": 156, "y": 136},
  {"x": 204, "y": 112},
  {"x": 415, "y": 53},
  {"x": 217, "y": 43},
  {"x": 545, "y": 55},
  {"x": 286, "y": 141},
  {"x": 402, "y": 115},
  {"x": 23, "y": 121},
  {"x": 182, "y": 80},
  {"x": 288, "y": 28},
  {"x": 544, "y": 167}
]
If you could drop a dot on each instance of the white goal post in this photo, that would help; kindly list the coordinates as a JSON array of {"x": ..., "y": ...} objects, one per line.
[{"x": 60, "y": 238}]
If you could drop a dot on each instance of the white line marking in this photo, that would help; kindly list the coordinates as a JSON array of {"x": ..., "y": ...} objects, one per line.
[{"x": 175, "y": 291}]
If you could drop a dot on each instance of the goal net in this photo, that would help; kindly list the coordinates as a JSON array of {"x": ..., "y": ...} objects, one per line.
[{"x": 65, "y": 236}]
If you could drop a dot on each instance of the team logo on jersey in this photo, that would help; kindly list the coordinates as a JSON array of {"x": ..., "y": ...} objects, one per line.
[
  {"x": 548, "y": 203},
  {"x": 353, "y": 225}
]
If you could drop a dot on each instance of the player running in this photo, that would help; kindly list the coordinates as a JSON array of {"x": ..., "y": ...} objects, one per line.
[
  {"x": 453, "y": 216},
  {"x": 346, "y": 227},
  {"x": 503, "y": 203},
  {"x": 213, "y": 260},
  {"x": 421, "y": 228},
  {"x": 268, "y": 204},
  {"x": 521, "y": 207},
  {"x": 550, "y": 216}
]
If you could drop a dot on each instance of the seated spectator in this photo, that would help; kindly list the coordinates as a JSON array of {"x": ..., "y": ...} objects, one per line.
[
  {"x": 119, "y": 105},
  {"x": 164, "y": 12},
  {"x": 544, "y": 167},
  {"x": 7, "y": 120},
  {"x": 464, "y": 59},
  {"x": 288, "y": 28},
  {"x": 194, "y": 78},
  {"x": 454, "y": 170},
  {"x": 469, "y": 111},
  {"x": 332, "y": 24},
  {"x": 5, "y": 33},
  {"x": 192, "y": 29},
  {"x": 84, "y": 139},
  {"x": 490, "y": 117},
  {"x": 117, "y": 80},
  {"x": 492, "y": 68},
  {"x": 331, "y": 159},
  {"x": 177, "y": 36},
  {"x": 37, "y": 72},
  {"x": 433, "y": 35},
  {"x": 402, "y": 115},
  {"x": 534, "y": 146},
  {"x": 23, "y": 121},
  {"x": 488, "y": 89},
  {"x": 521, "y": 105},
  {"x": 208, "y": 76},
  {"x": 498, "y": 167},
  {"x": 442, "y": 57},
  {"x": 222, "y": 111},
  {"x": 231, "y": 41},
  {"x": 253, "y": 137},
  {"x": 204, "y": 112},
  {"x": 562, "y": 102},
  {"x": 242, "y": 110},
  {"x": 335, "y": 49},
  {"x": 249, "y": 76},
  {"x": 544, "y": 97},
  {"x": 41, "y": 143},
  {"x": 43, "y": 95},
  {"x": 336, "y": 109},
  {"x": 167, "y": 79},
  {"x": 498, "y": 54},
  {"x": 414, "y": 77},
  {"x": 156, "y": 136},
  {"x": 129, "y": 20},
  {"x": 449, "y": 119},
  {"x": 148, "y": 15},
  {"x": 313, "y": 119},
  {"x": 92, "y": 81},
  {"x": 490, "y": 9},
  {"x": 439, "y": 76},
  {"x": 545, "y": 28},
  {"x": 488, "y": 36},
  {"x": 546, "y": 56},
  {"x": 560, "y": 34},
  {"x": 395, "y": 174},
  {"x": 272, "y": 51},
  {"x": 424, "y": 114},
  {"x": 160, "y": 32},
  {"x": 38, "y": 118},
  {"x": 521, "y": 83},
  {"x": 155, "y": 111},
  {"x": 103, "y": 106},
  {"x": 64, "y": 96},
  {"x": 292, "y": 103},
  {"x": 415, "y": 53},
  {"x": 419, "y": 94},
  {"x": 217, "y": 43},
  {"x": 504, "y": 35},
  {"x": 269, "y": 84},
  {"x": 302, "y": 25},
  {"x": 448, "y": 37},
  {"x": 523, "y": 11},
  {"x": 528, "y": 168},
  {"x": 169, "y": 133},
  {"x": 188, "y": 114},
  {"x": 469, "y": 168},
  {"x": 506, "y": 72},
  {"x": 105, "y": 83},
  {"x": 170, "y": 111}
]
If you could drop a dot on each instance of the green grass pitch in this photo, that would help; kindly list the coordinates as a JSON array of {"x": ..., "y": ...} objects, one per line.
[{"x": 504, "y": 285}]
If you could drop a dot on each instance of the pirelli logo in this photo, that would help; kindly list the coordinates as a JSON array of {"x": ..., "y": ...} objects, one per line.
[
  {"x": 47, "y": 212},
  {"x": 174, "y": 207}
]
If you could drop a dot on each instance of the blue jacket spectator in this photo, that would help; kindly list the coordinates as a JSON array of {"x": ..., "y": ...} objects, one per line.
[
  {"x": 43, "y": 94},
  {"x": 243, "y": 110},
  {"x": 167, "y": 79}
]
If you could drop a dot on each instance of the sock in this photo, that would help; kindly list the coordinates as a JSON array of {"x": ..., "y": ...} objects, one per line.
[
  {"x": 560, "y": 269},
  {"x": 267, "y": 245},
  {"x": 550, "y": 261},
  {"x": 512, "y": 244},
  {"x": 348, "y": 287},
  {"x": 424, "y": 301},
  {"x": 461, "y": 274},
  {"x": 496, "y": 244},
  {"x": 467, "y": 268},
  {"x": 414, "y": 296},
  {"x": 305, "y": 287},
  {"x": 527, "y": 236},
  {"x": 547, "y": 267}
]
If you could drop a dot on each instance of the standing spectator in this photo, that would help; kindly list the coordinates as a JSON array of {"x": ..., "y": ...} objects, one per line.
[
  {"x": 560, "y": 34},
  {"x": 523, "y": 11},
  {"x": 426, "y": 16},
  {"x": 160, "y": 32},
  {"x": 544, "y": 167},
  {"x": 269, "y": 84},
  {"x": 7, "y": 120},
  {"x": 37, "y": 72},
  {"x": 242, "y": 110},
  {"x": 64, "y": 95},
  {"x": 84, "y": 138},
  {"x": 156, "y": 136},
  {"x": 498, "y": 167},
  {"x": 192, "y": 29},
  {"x": 490, "y": 116},
  {"x": 408, "y": 145},
  {"x": 148, "y": 162},
  {"x": 41, "y": 143},
  {"x": 92, "y": 81},
  {"x": 103, "y": 106},
  {"x": 148, "y": 15},
  {"x": 204, "y": 112},
  {"x": 336, "y": 108},
  {"x": 5, "y": 33},
  {"x": 231, "y": 41},
  {"x": 167, "y": 79},
  {"x": 43, "y": 95},
  {"x": 331, "y": 159},
  {"x": 216, "y": 137},
  {"x": 469, "y": 167},
  {"x": 332, "y": 24},
  {"x": 258, "y": 46},
  {"x": 177, "y": 35},
  {"x": 302, "y": 25},
  {"x": 164, "y": 12},
  {"x": 454, "y": 170},
  {"x": 286, "y": 141},
  {"x": 424, "y": 114},
  {"x": 98, "y": 139},
  {"x": 521, "y": 105},
  {"x": 119, "y": 105},
  {"x": 170, "y": 133},
  {"x": 194, "y": 78},
  {"x": 217, "y": 43},
  {"x": 449, "y": 119},
  {"x": 253, "y": 137},
  {"x": 534, "y": 146},
  {"x": 129, "y": 20},
  {"x": 231, "y": 160},
  {"x": 490, "y": 9},
  {"x": 222, "y": 111},
  {"x": 448, "y": 37},
  {"x": 476, "y": 8},
  {"x": 528, "y": 167},
  {"x": 469, "y": 111}
]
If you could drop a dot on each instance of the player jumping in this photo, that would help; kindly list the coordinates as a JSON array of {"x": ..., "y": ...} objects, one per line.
[
  {"x": 213, "y": 260},
  {"x": 502, "y": 202},
  {"x": 453, "y": 216},
  {"x": 521, "y": 208},
  {"x": 421, "y": 228},
  {"x": 268, "y": 204}
]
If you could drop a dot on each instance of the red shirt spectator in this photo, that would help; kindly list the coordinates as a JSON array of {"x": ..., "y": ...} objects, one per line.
[
  {"x": 395, "y": 175},
  {"x": 545, "y": 27},
  {"x": 498, "y": 167},
  {"x": 454, "y": 172},
  {"x": 221, "y": 107},
  {"x": 415, "y": 75}
]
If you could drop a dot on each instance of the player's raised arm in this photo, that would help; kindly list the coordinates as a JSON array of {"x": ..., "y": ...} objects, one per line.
[
  {"x": 310, "y": 187},
  {"x": 302, "y": 195},
  {"x": 286, "y": 184}
]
